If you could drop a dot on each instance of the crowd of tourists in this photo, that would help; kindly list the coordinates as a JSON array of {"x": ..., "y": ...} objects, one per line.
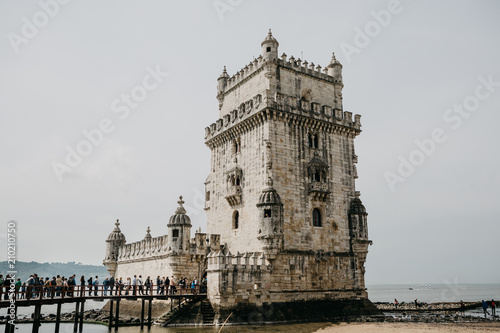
[{"x": 60, "y": 286}]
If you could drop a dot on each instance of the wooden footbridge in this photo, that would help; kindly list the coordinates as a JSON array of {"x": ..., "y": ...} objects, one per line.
[{"x": 37, "y": 296}]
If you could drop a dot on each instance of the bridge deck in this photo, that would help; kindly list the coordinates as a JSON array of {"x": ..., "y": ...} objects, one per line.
[{"x": 43, "y": 295}]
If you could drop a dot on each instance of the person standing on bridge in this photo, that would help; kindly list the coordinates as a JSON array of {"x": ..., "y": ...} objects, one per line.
[
  {"x": 91, "y": 285},
  {"x": 139, "y": 284},
  {"x": 148, "y": 285},
  {"x": 82, "y": 286},
  {"x": 111, "y": 285},
  {"x": 105, "y": 283},
  {"x": 134, "y": 285},
  {"x": 96, "y": 285},
  {"x": 172, "y": 285},
  {"x": 59, "y": 284}
]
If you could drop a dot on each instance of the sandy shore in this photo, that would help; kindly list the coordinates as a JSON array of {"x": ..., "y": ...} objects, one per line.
[{"x": 410, "y": 327}]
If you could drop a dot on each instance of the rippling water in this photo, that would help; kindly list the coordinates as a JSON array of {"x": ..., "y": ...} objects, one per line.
[
  {"x": 448, "y": 292},
  {"x": 90, "y": 328}
]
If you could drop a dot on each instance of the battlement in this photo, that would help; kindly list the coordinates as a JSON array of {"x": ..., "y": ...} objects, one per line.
[
  {"x": 258, "y": 64},
  {"x": 156, "y": 247},
  {"x": 286, "y": 104},
  {"x": 239, "y": 261}
]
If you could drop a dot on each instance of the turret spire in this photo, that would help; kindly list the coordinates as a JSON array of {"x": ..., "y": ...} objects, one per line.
[{"x": 180, "y": 209}]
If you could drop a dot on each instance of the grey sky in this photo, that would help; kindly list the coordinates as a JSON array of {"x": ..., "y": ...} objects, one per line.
[{"x": 440, "y": 224}]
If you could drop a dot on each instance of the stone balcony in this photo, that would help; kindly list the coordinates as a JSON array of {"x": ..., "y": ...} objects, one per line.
[
  {"x": 319, "y": 190},
  {"x": 233, "y": 196}
]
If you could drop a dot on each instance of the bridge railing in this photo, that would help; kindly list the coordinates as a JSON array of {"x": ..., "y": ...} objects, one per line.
[{"x": 36, "y": 292}]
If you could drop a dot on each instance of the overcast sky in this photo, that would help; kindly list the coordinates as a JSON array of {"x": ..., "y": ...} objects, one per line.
[{"x": 415, "y": 71}]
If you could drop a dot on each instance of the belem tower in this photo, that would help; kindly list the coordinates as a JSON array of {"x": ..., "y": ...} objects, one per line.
[{"x": 285, "y": 224}]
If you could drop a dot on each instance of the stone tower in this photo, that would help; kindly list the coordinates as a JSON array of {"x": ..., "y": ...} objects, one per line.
[{"x": 281, "y": 188}]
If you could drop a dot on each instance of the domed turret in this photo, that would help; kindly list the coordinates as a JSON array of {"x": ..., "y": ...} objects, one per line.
[
  {"x": 269, "y": 196},
  {"x": 271, "y": 219},
  {"x": 335, "y": 69},
  {"x": 357, "y": 219},
  {"x": 180, "y": 217},
  {"x": 116, "y": 234},
  {"x": 357, "y": 207},
  {"x": 179, "y": 230},
  {"x": 270, "y": 47},
  {"x": 115, "y": 240},
  {"x": 221, "y": 86}
]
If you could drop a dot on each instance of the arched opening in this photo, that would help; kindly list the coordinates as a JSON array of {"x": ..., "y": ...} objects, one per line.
[
  {"x": 237, "y": 181},
  {"x": 315, "y": 141},
  {"x": 236, "y": 220},
  {"x": 316, "y": 217},
  {"x": 310, "y": 140}
]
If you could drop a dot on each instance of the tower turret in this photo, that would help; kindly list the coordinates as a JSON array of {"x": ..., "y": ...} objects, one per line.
[
  {"x": 115, "y": 239},
  {"x": 270, "y": 47},
  {"x": 221, "y": 86},
  {"x": 270, "y": 220},
  {"x": 179, "y": 229},
  {"x": 335, "y": 68}
]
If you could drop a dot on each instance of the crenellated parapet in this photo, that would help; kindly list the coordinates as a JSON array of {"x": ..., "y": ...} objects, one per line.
[
  {"x": 146, "y": 248},
  {"x": 289, "y": 107},
  {"x": 246, "y": 261}
]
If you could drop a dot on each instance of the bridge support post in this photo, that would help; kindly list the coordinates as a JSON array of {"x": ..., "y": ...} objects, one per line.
[
  {"x": 82, "y": 310},
  {"x": 36, "y": 318},
  {"x": 149, "y": 313},
  {"x": 110, "y": 323},
  {"x": 10, "y": 328},
  {"x": 58, "y": 318},
  {"x": 142, "y": 313},
  {"x": 117, "y": 313},
  {"x": 75, "y": 326}
]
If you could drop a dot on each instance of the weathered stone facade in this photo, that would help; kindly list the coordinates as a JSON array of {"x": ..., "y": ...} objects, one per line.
[
  {"x": 285, "y": 221},
  {"x": 174, "y": 254},
  {"x": 281, "y": 122}
]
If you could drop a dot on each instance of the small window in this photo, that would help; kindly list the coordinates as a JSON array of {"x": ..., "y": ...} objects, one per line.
[
  {"x": 236, "y": 146},
  {"x": 175, "y": 233},
  {"x": 236, "y": 220},
  {"x": 268, "y": 49},
  {"x": 313, "y": 140},
  {"x": 316, "y": 217},
  {"x": 237, "y": 181},
  {"x": 267, "y": 213}
]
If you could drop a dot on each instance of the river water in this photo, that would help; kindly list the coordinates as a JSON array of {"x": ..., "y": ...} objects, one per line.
[{"x": 448, "y": 292}]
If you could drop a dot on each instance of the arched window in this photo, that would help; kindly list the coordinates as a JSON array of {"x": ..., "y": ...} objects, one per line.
[
  {"x": 236, "y": 146},
  {"x": 316, "y": 217},
  {"x": 313, "y": 140},
  {"x": 236, "y": 220}
]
